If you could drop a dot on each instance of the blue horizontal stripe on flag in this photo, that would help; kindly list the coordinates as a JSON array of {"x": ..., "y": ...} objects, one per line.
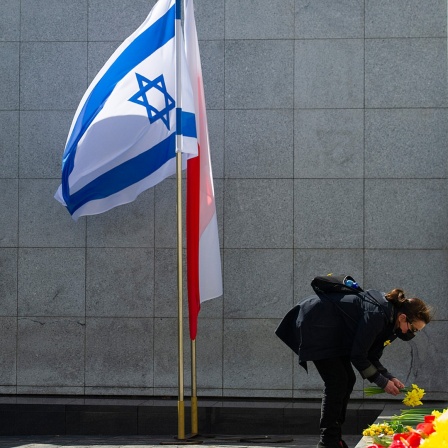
[
  {"x": 124, "y": 175},
  {"x": 139, "y": 49}
]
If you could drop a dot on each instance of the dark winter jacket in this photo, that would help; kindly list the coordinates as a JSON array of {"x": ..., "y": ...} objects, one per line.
[{"x": 328, "y": 325}]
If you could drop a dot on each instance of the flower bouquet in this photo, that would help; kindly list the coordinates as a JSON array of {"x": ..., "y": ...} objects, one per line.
[
  {"x": 432, "y": 432},
  {"x": 412, "y": 398},
  {"x": 431, "y": 426}
]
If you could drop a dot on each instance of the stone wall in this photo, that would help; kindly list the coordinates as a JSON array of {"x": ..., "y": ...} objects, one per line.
[{"x": 328, "y": 127}]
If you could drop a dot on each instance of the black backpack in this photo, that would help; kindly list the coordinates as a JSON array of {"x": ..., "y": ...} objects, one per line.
[{"x": 335, "y": 283}]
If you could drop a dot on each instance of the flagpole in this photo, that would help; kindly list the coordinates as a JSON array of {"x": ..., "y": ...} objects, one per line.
[
  {"x": 194, "y": 397},
  {"x": 180, "y": 403}
]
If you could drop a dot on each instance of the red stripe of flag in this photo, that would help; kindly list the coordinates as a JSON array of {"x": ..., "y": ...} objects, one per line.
[{"x": 193, "y": 208}]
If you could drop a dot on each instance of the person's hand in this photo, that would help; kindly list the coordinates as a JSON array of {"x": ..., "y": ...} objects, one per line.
[
  {"x": 391, "y": 388},
  {"x": 398, "y": 383}
]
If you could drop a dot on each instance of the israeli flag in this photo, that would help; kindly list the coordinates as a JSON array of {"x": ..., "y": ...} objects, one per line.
[{"x": 122, "y": 140}]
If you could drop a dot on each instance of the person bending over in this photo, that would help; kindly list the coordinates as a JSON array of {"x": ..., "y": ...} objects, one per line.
[{"x": 339, "y": 329}]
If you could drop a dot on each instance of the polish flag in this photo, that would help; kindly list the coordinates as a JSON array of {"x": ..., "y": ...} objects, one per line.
[{"x": 204, "y": 277}]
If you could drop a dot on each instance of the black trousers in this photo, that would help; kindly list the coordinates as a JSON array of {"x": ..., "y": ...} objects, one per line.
[{"x": 339, "y": 379}]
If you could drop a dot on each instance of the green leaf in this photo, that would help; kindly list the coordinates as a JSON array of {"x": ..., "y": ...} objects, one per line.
[{"x": 373, "y": 390}]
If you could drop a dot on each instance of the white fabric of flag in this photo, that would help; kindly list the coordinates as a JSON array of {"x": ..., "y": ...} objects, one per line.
[{"x": 122, "y": 140}]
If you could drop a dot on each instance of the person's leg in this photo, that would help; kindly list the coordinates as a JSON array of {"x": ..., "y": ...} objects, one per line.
[
  {"x": 351, "y": 380},
  {"x": 337, "y": 390}
]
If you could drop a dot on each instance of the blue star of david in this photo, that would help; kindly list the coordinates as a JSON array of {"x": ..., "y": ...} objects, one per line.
[{"x": 141, "y": 98}]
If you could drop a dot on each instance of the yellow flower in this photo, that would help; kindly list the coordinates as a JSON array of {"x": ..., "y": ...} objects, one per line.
[
  {"x": 413, "y": 396},
  {"x": 386, "y": 343},
  {"x": 378, "y": 429},
  {"x": 439, "y": 438}
]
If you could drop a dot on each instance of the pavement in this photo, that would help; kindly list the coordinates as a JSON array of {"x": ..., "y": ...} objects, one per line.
[{"x": 298, "y": 441}]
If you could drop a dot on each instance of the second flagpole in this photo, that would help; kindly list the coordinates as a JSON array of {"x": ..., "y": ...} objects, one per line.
[{"x": 180, "y": 403}]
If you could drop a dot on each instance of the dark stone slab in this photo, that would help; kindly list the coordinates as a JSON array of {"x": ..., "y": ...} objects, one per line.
[
  {"x": 101, "y": 422},
  {"x": 7, "y": 423},
  {"x": 127, "y": 416}
]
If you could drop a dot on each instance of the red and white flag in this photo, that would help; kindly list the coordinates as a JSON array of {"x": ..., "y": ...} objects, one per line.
[{"x": 204, "y": 277}]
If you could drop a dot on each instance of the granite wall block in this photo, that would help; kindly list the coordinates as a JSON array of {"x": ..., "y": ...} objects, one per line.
[
  {"x": 42, "y": 137},
  {"x": 10, "y": 20},
  {"x": 252, "y": 136},
  {"x": 120, "y": 282},
  {"x": 329, "y": 73},
  {"x": 51, "y": 282},
  {"x": 328, "y": 213},
  {"x": 405, "y": 73},
  {"x": 9, "y": 87},
  {"x": 44, "y": 222},
  {"x": 9, "y": 143},
  {"x": 417, "y": 204},
  {"x": 405, "y": 18},
  {"x": 259, "y": 74},
  {"x": 54, "y": 20},
  {"x": 328, "y": 143},
  {"x": 52, "y": 75},
  {"x": 50, "y": 351},
  {"x": 406, "y": 143},
  {"x": 259, "y": 19},
  {"x": 8, "y": 281},
  {"x": 119, "y": 352},
  {"x": 9, "y": 222},
  {"x": 251, "y": 201},
  {"x": 324, "y": 19}
]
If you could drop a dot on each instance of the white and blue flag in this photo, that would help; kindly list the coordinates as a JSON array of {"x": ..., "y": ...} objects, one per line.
[{"x": 122, "y": 140}]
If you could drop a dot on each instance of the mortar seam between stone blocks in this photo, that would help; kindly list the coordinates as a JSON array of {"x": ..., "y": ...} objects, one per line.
[
  {"x": 224, "y": 182},
  {"x": 18, "y": 203},
  {"x": 293, "y": 182},
  {"x": 364, "y": 153}
]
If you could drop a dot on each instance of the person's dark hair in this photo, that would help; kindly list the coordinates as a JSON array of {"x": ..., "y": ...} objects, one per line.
[{"x": 415, "y": 309}]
